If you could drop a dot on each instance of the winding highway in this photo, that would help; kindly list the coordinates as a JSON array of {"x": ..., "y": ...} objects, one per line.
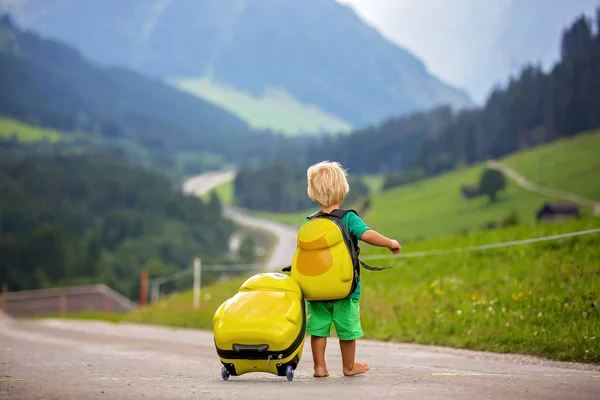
[{"x": 286, "y": 235}]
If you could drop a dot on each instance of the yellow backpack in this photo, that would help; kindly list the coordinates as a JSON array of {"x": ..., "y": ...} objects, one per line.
[{"x": 326, "y": 264}]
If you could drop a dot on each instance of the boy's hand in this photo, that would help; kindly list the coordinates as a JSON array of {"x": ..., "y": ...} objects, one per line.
[{"x": 395, "y": 247}]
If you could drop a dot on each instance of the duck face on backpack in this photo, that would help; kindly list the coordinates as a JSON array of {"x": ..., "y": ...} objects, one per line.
[{"x": 325, "y": 264}]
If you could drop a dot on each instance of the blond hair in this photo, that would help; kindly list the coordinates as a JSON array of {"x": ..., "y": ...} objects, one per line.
[{"x": 327, "y": 184}]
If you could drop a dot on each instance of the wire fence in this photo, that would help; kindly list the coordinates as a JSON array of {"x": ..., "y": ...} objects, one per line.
[
  {"x": 184, "y": 280},
  {"x": 481, "y": 247},
  {"x": 192, "y": 276}
]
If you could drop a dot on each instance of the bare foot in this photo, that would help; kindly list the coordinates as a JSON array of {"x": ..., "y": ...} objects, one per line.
[
  {"x": 321, "y": 372},
  {"x": 359, "y": 368}
]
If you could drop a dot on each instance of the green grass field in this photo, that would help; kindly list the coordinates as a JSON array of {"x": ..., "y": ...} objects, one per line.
[
  {"x": 275, "y": 110},
  {"x": 224, "y": 191},
  {"x": 26, "y": 133},
  {"x": 571, "y": 165},
  {"x": 434, "y": 207},
  {"x": 538, "y": 299},
  {"x": 108, "y": 317}
]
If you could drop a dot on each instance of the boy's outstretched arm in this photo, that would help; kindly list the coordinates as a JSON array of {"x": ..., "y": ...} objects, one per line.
[{"x": 376, "y": 239}]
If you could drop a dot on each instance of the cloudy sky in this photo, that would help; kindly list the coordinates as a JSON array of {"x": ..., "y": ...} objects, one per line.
[{"x": 474, "y": 44}]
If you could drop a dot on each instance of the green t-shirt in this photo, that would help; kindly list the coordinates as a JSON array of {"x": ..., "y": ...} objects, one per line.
[{"x": 356, "y": 227}]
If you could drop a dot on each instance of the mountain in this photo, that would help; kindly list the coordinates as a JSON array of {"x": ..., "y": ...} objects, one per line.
[
  {"x": 47, "y": 83},
  {"x": 318, "y": 51}
]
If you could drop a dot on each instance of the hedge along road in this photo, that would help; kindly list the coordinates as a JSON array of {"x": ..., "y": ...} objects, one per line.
[{"x": 286, "y": 235}]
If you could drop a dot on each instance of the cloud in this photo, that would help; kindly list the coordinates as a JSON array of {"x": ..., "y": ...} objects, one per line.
[{"x": 475, "y": 44}]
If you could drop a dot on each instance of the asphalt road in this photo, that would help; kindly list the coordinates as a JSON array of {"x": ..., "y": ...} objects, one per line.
[
  {"x": 285, "y": 247},
  {"x": 286, "y": 235},
  {"x": 54, "y": 359}
]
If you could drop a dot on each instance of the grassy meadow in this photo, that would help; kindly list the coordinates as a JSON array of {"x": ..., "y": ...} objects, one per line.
[
  {"x": 224, "y": 191},
  {"x": 434, "y": 207},
  {"x": 570, "y": 164},
  {"x": 275, "y": 109},
  {"x": 538, "y": 298},
  {"x": 26, "y": 133}
]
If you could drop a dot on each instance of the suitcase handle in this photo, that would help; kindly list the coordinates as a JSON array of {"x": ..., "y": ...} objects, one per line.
[{"x": 248, "y": 347}]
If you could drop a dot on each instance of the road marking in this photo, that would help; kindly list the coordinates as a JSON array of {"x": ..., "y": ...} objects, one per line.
[
  {"x": 111, "y": 378},
  {"x": 463, "y": 374},
  {"x": 106, "y": 379},
  {"x": 8, "y": 349},
  {"x": 11, "y": 379}
]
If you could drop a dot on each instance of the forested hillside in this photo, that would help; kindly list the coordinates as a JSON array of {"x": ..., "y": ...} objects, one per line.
[
  {"x": 46, "y": 83},
  {"x": 534, "y": 108},
  {"x": 91, "y": 217},
  {"x": 319, "y": 51},
  {"x": 282, "y": 188}
]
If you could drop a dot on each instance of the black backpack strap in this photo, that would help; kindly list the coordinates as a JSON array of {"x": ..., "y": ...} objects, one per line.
[
  {"x": 370, "y": 268},
  {"x": 340, "y": 213},
  {"x": 315, "y": 214}
]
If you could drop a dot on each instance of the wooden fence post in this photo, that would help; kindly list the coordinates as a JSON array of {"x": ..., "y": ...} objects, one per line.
[
  {"x": 63, "y": 304},
  {"x": 107, "y": 306},
  {"x": 4, "y": 298},
  {"x": 144, "y": 288},
  {"x": 197, "y": 282}
]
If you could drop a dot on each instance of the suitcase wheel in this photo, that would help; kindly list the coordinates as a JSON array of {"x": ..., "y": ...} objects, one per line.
[
  {"x": 289, "y": 373},
  {"x": 224, "y": 373}
]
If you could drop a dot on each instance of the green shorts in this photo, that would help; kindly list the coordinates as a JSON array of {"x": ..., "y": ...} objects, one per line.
[{"x": 344, "y": 314}]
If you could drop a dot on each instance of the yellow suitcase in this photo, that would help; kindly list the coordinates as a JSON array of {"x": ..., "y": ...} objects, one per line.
[{"x": 262, "y": 328}]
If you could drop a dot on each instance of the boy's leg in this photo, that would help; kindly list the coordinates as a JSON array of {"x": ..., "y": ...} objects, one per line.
[
  {"x": 318, "y": 325},
  {"x": 318, "y": 344},
  {"x": 346, "y": 318},
  {"x": 350, "y": 366}
]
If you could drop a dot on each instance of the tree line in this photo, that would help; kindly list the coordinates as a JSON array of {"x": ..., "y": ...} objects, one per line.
[
  {"x": 83, "y": 218},
  {"x": 283, "y": 188},
  {"x": 535, "y": 107},
  {"x": 49, "y": 84},
  {"x": 171, "y": 130}
]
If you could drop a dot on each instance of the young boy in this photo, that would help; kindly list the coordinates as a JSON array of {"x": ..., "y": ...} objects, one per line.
[{"x": 327, "y": 186}]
